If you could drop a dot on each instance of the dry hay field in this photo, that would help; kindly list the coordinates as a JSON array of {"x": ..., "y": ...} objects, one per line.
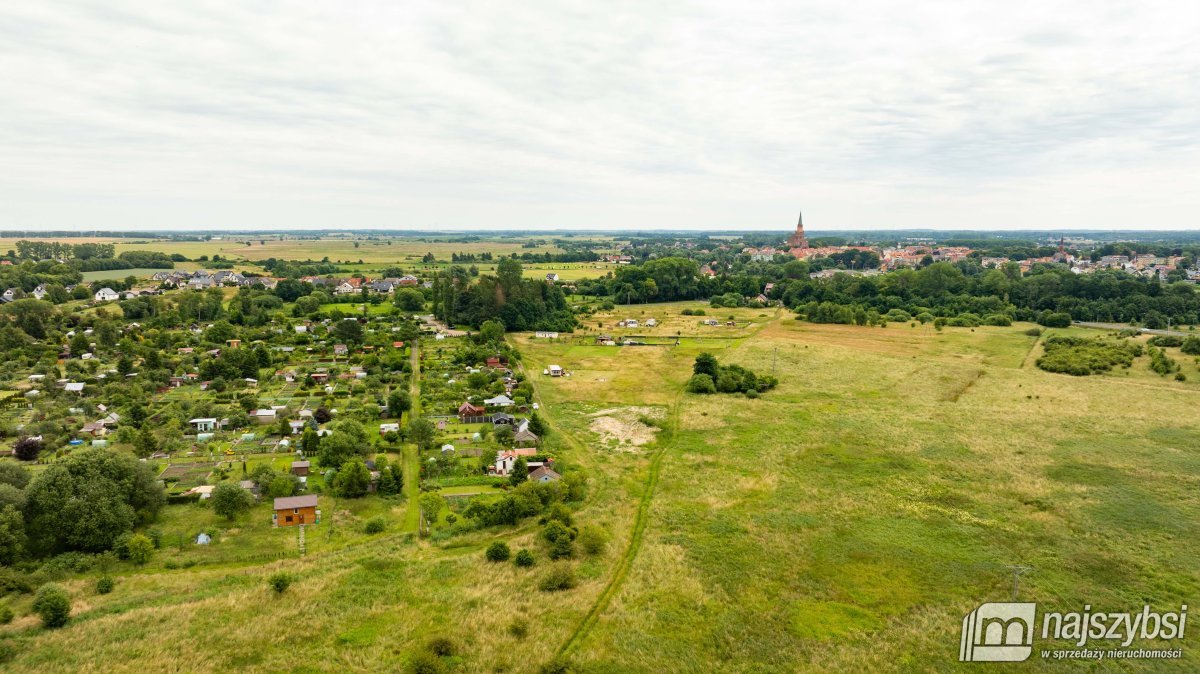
[{"x": 845, "y": 521}]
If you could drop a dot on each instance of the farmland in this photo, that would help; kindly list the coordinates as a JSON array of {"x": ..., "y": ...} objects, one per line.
[{"x": 845, "y": 521}]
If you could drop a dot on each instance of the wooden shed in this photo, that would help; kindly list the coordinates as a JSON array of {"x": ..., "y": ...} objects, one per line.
[{"x": 291, "y": 511}]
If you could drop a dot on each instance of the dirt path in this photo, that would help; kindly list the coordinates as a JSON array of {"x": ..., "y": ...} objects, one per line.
[
  {"x": 641, "y": 519},
  {"x": 411, "y": 462}
]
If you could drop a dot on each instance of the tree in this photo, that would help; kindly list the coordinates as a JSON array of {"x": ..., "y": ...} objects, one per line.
[
  {"x": 144, "y": 443},
  {"x": 537, "y": 426},
  {"x": 346, "y": 439},
  {"x": 349, "y": 331},
  {"x": 353, "y": 480},
  {"x": 12, "y": 535},
  {"x": 431, "y": 504},
  {"x": 309, "y": 441},
  {"x": 520, "y": 472},
  {"x": 141, "y": 549},
  {"x": 706, "y": 363},
  {"x": 27, "y": 449},
  {"x": 322, "y": 415},
  {"x": 230, "y": 500},
  {"x": 491, "y": 332},
  {"x": 410, "y": 299},
  {"x": 85, "y": 501},
  {"x": 53, "y": 605},
  {"x": 398, "y": 402},
  {"x": 421, "y": 431},
  {"x": 14, "y": 474},
  {"x": 281, "y": 485}
]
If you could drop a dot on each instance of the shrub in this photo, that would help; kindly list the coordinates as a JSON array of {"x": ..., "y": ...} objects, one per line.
[
  {"x": 375, "y": 525},
  {"x": 6, "y": 615},
  {"x": 13, "y": 581},
  {"x": 556, "y": 666},
  {"x": 1161, "y": 363},
  {"x": 1034, "y": 332},
  {"x": 441, "y": 646},
  {"x": 1080, "y": 356},
  {"x": 1165, "y": 340},
  {"x": 1054, "y": 320},
  {"x": 140, "y": 549},
  {"x": 27, "y": 449},
  {"x": 559, "y": 577},
  {"x": 997, "y": 319},
  {"x": 592, "y": 539},
  {"x": 53, "y": 605},
  {"x": 701, "y": 383},
  {"x": 1191, "y": 346},
  {"x": 424, "y": 662},
  {"x": 279, "y": 582},
  {"x": 497, "y": 552},
  {"x": 104, "y": 585},
  {"x": 524, "y": 558}
]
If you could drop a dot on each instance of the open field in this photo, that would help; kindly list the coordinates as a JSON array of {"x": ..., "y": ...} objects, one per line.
[{"x": 845, "y": 521}]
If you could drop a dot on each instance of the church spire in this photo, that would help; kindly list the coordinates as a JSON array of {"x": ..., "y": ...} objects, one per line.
[{"x": 799, "y": 240}]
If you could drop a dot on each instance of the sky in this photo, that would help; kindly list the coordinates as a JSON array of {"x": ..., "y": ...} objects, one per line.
[{"x": 184, "y": 115}]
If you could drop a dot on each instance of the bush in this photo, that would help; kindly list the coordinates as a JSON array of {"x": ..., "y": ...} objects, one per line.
[
  {"x": 441, "y": 646},
  {"x": 424, "y": 662},
  {"x": 104, "y": 585},
  {"x": 498, "y": 552},
  {"x": 375, "y": 525},
  {"x": 279, "y": 582},
  {"x": 1003, "y": 320},
  {"x": 13, "y": 581},
  {"x": 1161, "y": 363},
  {"x": 53, "y": 605},
  {"x": 140, "y": 549},
  {"x": 6, "y": 615},
  {"x": 1080, "y": 356},
  {"x": 1165, "y": 340},
  {"x": 559, "y": 577},
  {"x": 1054, "y": 320},
  {"x": 701, "y": 383},
  {"x": 1034, "y": 332},
  {"x": 592, "y": 539},
  {"x": 524, "y": 558},
  {"x": 1191, "y": 346},
  {"x": 556, "y": 666}
]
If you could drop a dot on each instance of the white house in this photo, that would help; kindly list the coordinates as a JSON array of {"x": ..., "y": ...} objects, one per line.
[
  {"x": 555, "y": 370},
  {"x": 651, "y": 322},
  {"x": 543, "y": 334},
  {"x": 499, "y": 401},
  {"x": 106, "y": 295},
  {"x": 204, "y": 425},
  {"x": 507, "y": 459},
  {"x": 389, "y": 428},
  {"x": 551, "y": 276}
]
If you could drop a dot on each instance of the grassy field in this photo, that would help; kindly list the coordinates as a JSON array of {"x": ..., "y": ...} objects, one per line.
[{"x": 846, "y": 521}]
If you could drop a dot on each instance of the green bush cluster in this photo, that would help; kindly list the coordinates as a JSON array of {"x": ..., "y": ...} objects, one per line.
[
  {"x": 1161, "y": 363},
  {"x": 711, "y": 377},
  {"x": 1080, "y": 356}
]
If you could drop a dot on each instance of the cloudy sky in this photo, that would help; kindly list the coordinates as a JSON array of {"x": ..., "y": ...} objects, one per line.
[{"x": 721, "y": 115}]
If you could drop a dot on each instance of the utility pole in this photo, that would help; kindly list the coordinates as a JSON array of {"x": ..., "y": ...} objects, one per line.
[{"x": 1018, "y": 570}]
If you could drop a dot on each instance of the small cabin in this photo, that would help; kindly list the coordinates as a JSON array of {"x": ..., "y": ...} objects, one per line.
[
  {"x": 292, "y": 511},
  {"x": 300, "y": 468}
]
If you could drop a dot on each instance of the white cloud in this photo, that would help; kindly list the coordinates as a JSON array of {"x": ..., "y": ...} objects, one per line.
[{"x": 526, "y": 115}]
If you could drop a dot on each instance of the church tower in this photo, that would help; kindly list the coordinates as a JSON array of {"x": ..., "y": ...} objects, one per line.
[{"x": 798, "y": 240}]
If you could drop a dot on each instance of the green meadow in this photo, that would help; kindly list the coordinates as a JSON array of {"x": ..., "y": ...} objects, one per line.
[{"x": 844, "y": 521}]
